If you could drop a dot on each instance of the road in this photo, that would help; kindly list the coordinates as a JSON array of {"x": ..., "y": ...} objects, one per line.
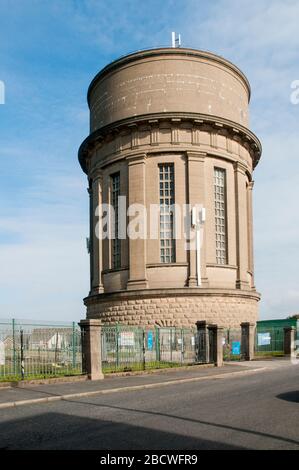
[{"x": 254, "y": 411}]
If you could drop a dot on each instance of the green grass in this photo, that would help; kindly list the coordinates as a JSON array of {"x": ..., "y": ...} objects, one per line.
[
  {"x": 40, "y": 375},
  {"x": 107, "y": 369},
  {"x": 269, "y": 353},
  {"x": 135, "y": 366}
]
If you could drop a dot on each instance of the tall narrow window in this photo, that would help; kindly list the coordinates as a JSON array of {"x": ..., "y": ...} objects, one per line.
[
  {"x": 115, "y": 193},
  {"x": 167, "y": 242},
  {"x": 220, "y": 215}
]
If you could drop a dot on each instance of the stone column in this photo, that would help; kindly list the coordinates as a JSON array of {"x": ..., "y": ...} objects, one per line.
[
  {"x": 137, "y": 247},
  {"x": 196, "y": 195},
  {"x": 247, "y": 340},
  {"x": 216, "y": 354},
  {"x": 241, "y": 226},
  {"x": 90, "y": 241},
  {"x": 203, "y": 342},
  {"x": 289, "y": 341},
  {"x": 250, "y": 232},
  {"x": 96, "y": 238},
  {"x": 91, "y": 348}
]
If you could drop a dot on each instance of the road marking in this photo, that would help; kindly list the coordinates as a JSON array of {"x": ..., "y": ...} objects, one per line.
[{"x": 126, "y": 389}]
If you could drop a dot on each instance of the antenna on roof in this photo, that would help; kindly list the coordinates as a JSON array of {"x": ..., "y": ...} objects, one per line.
[{"x": 175, "y": 39}]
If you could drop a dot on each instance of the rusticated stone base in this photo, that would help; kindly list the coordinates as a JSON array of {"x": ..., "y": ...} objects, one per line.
[{"x": 175, "y": 307}]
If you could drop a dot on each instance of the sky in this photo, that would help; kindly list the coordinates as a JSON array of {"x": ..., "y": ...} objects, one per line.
[{"x": 49, "y": 52}]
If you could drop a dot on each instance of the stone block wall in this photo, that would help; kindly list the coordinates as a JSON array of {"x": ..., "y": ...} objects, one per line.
[{"x": 227, "y": 311}]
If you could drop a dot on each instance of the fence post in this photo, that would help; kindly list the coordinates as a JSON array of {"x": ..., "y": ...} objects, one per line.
[
  {"x": 74, "y": 345},
  {"x": 182, "y": 346},
  {"x": 157, "y": 342},
  {"x": 247, "y": 340},
  {"x": 91, "y": 348},
  {"x": 289, "y": 341},
  {"x": 117, "y": 345},
  {"x": 22, "y": 354},
  {"x": 143, "y": 347},
  {"x": 14, "y": 354}
]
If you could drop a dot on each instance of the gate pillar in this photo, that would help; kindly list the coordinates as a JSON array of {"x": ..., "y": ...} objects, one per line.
[
  {"x": 91, "y": 348},
  {"x": 216, "y": 349},
  {"x": 289, "y": 341},
  {"x": 247, "y": 340}
]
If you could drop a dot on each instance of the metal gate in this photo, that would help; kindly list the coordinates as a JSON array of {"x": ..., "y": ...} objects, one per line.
[
  {"x": 231, "y": 342},
  {"x": 136, "y": 348}
]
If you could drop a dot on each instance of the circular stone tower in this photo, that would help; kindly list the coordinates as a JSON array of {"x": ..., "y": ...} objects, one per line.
[{"x": 170, "y": 126}]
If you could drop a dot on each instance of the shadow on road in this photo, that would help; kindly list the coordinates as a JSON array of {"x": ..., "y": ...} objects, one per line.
[
  {"x": 55, "y": 431},
  {"x": 290, "y": 396},
  {"x": 191, "y": 420}
]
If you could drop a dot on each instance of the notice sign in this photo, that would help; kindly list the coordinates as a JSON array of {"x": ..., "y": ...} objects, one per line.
[
  {"x": 236, "y": 348},
  {"x": 263, "y": 339},
  {"x": 127, "y": 338},
  {"x": 150, "y": 340},
  {"x": 2, "y": 354}
]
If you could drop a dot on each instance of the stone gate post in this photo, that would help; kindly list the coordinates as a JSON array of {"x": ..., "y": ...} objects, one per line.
[
  {"x": 91, "y": 348},
  {"x": 247, "y": 340},
  {"x": 289, "y": 341},
  {"x": 216, "y": 352}
]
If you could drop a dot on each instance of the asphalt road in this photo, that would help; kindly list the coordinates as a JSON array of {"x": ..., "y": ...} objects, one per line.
[{"x": 257, "y": 411}]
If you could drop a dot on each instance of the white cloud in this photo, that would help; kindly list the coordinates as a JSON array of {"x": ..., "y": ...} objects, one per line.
[{"x": 44, "y": 264}]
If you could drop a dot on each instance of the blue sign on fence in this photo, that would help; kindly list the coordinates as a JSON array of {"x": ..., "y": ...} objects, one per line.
[
  {"x": 150, "y": 340},
  {"x": 236, "y": 348}
]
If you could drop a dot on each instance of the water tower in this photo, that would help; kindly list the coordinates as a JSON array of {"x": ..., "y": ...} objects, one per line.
[{"x": 170, "y": 126}]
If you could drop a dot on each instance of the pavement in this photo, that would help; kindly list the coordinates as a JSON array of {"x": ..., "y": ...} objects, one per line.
[
  {"x": 252, "y": 406},
  {"x": 20, "y": 396}
]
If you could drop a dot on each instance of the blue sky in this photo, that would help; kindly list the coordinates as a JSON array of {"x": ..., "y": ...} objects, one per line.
[{"x": 49, "y": 52}]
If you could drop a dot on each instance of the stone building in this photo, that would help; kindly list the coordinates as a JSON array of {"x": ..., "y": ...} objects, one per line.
[{"x": 170, "y": 125}]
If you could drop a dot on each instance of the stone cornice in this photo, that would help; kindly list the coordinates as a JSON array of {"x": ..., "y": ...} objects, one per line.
[
  {"x": 171, "y": 292},
  {"x": 215, "y": 122}
]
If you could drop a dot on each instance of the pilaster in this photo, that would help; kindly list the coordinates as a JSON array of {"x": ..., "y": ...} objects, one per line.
[
  {"x": 241, "y": 226},
  {"x": 96, "y": 254},
  {"x": 196, "y": 195},
  {"x": 137, "y": 246}
]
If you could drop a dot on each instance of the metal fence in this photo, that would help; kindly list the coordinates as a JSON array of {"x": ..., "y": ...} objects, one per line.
[
  {"x": 39, "y": 349},
  {"x": 31, "y": 349},
  {"x": 135, "y": 348}
]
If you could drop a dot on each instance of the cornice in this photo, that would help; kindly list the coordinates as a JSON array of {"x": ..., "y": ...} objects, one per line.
[
  {"x": 171, "y": 292},
  {"x": 197, "y": 119}
]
